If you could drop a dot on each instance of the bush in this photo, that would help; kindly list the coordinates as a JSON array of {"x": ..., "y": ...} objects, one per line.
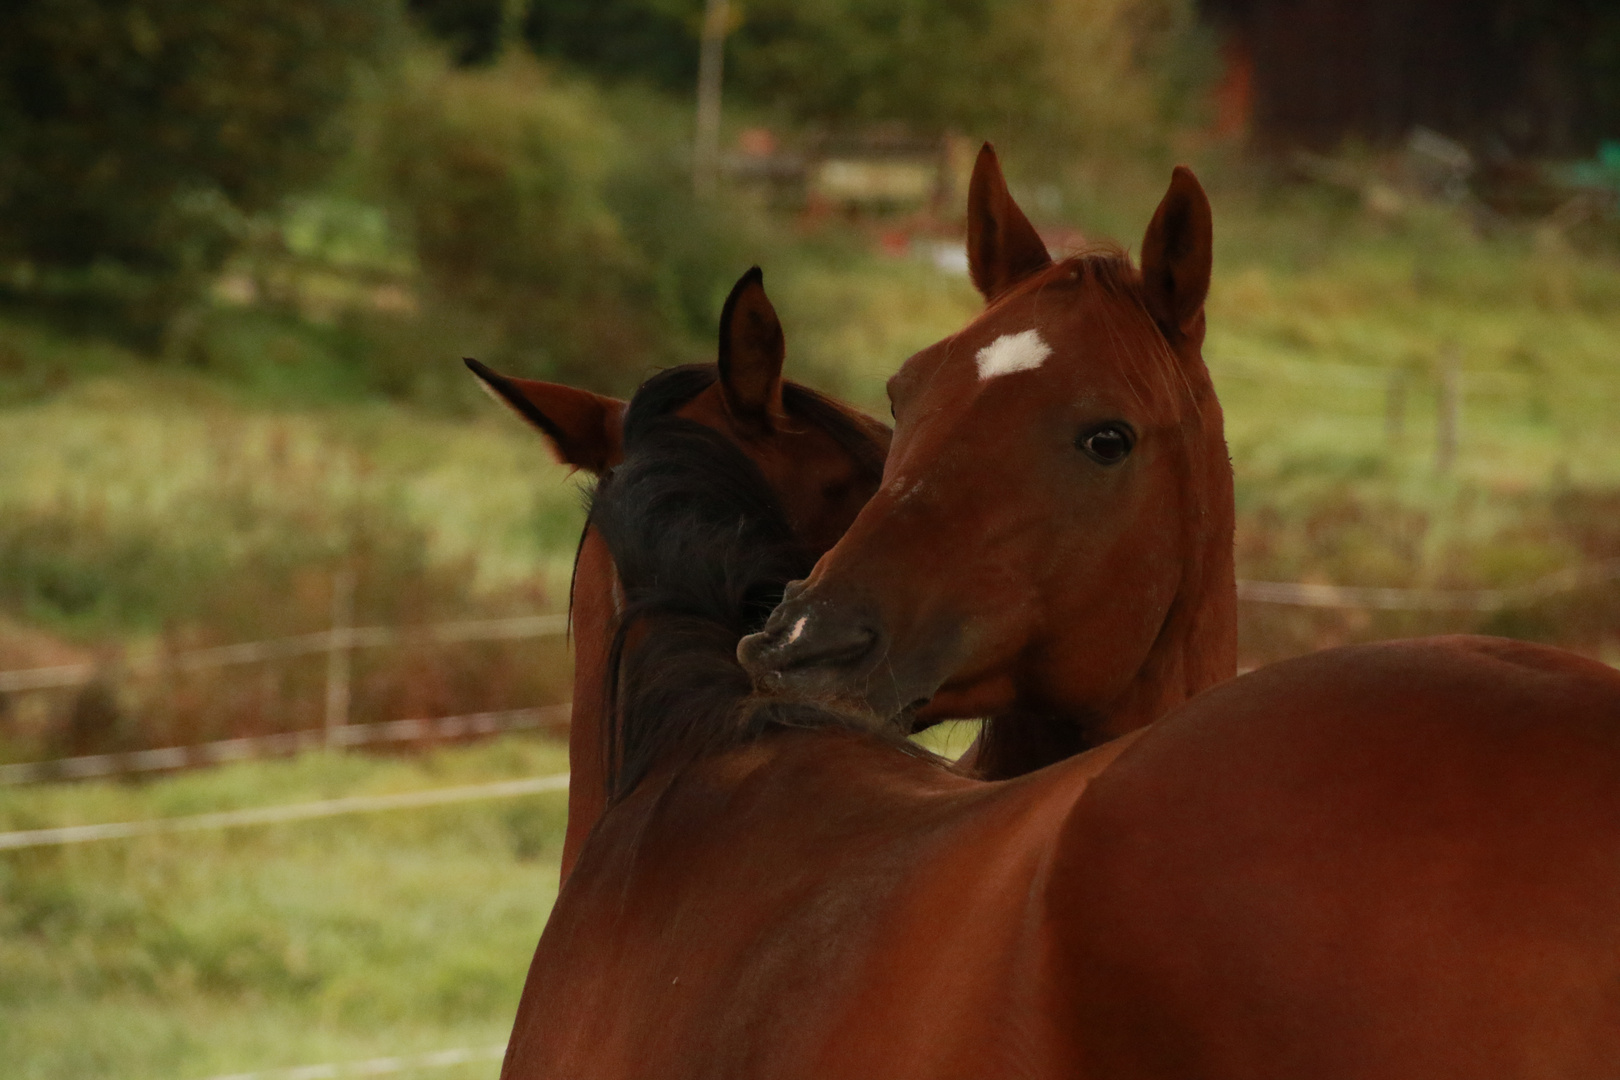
[
  {"x": 134, "y": 134},
  {"x": 575, "y": 244}
]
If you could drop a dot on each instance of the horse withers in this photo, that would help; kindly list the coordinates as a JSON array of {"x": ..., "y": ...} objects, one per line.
[{"x": 822, "y": 459}]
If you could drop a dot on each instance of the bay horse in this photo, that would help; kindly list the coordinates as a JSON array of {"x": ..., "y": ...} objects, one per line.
[
  {"x": 822, "y": 459},
  {"x": 1052, "y": 544},
  {"x": 777, "y": 889}
]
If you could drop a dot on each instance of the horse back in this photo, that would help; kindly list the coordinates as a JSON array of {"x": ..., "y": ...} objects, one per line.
[
  {"x": 1397, "y": 860},
  {"x": 817, "y": 904}
]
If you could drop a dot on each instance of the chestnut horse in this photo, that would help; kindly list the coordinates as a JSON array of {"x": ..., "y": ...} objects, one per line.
[
  {"x": 1389, "y": 860},
  {"x": 820, "y": 457},
  {"x": 1052, "y": 545},
  {"x": 773, "y": 893}
]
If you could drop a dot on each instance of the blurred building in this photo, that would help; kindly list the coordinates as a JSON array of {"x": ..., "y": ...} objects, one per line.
[{"x": 1510, "y": 77}]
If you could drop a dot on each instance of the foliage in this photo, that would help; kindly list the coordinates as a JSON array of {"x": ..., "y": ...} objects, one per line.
[
  {"x": 134, "y": 133},
  {"x": 1063, "y": 68},
  {"x": 472, "y": 28},
  {"x": 528, "y": 206}
]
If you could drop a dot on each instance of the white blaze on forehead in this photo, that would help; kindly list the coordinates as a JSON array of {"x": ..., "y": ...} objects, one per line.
[
  {"x": 798, "y": 628},
  {"x": 1013, "y": 352}
]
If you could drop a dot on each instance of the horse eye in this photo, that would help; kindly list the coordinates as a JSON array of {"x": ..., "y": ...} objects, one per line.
[{"x": 1107, "y": 445}]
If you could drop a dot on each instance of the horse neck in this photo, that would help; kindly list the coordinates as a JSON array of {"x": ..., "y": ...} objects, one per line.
[
  {"x": 594, "y": 607},
  {"x": 1197, "y": 644}
]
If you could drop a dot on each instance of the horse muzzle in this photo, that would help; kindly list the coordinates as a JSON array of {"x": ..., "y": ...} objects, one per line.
[{"x": 832, "y": 655}]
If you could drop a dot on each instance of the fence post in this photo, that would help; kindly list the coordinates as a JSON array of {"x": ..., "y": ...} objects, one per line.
[
  {"x": 338, "y": 644},
  {"x": 1449, "y": 405},
  {"x": 1395, "y": 405},
  {"x": 711, "y": 60}
]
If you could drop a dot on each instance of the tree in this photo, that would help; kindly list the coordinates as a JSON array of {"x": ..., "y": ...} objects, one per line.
[{"x": 135, "y": 133}]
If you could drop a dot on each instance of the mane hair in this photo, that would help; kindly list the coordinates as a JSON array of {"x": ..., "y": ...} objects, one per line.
[
  {"x": 703, "y": 550},
  {"x": 667, "y": 390}
]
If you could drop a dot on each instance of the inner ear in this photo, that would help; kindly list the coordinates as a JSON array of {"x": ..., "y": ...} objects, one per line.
[
  {"x": 1003, "y": 247},
  {"x": 1177, "y": 254},
  {"x": 585, "y": 430},
  {"x": 752, "y": 349}
]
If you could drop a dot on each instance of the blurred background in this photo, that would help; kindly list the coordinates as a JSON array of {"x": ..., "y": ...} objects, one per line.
[{"x": 251, "y": 503}]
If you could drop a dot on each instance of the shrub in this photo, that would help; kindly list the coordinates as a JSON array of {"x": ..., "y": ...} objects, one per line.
[
  {"x": 575, "y": 244},
  {"x": 134, "y": 134}
]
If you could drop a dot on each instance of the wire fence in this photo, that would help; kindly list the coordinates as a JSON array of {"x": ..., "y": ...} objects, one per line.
[
  {"x": 381, "y": 1066},
  {"x": 273, "y": 815},
  {"x": 1306, "y": 594},
  {"x": 337, "y": 639},
  {"x": 285, "y": 743}
]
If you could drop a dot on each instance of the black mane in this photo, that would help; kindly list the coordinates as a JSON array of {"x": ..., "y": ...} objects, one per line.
[{"x": 703, "y": 550}]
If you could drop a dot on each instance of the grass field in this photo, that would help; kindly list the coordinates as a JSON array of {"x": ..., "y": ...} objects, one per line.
[{"x": 210, "y": 953}]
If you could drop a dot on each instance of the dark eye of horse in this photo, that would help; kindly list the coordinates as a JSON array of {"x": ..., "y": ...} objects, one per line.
[{"x": 1108, "y": 444}]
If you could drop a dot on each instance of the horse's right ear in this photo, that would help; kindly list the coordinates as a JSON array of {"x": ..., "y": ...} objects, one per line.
[
  {"x": 1003, "y": 247},
  {"x": 585, "y": 430},
  {"x": 1177, "y": 253}
]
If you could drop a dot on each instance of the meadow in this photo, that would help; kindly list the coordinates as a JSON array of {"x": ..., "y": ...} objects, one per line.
[
  {"x": 214, "y": 953},
  {"x": 159, "y": 499}
]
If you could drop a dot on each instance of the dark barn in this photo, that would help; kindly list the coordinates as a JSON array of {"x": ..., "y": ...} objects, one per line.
[{"x": 1517, "y": 77}]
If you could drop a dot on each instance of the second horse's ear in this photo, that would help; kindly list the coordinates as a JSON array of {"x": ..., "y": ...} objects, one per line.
[
  {"x": 585, "y": 430},
  {"x": 1003, "y": 247},
  {"x": 752, "y": 349}
]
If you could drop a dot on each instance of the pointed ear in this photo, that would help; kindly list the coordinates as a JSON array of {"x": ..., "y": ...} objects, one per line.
[
  {"x": 585, "y": 430},
  {"x": 1003, "y": 247},
  {"x": 752, "y": 349},
  {"x": 1176, "y": 257}
]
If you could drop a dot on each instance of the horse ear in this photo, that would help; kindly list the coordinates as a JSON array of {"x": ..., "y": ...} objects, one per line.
[
  {"x": 1176, "y": 257},
  {"x": 752, "y": 349},
  {"x": 585, "y": 430},
  {"x": 1003, "y": 247}
]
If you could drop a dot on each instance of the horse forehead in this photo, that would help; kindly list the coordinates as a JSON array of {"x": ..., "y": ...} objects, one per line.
[{"x": 1024, "y": 350}]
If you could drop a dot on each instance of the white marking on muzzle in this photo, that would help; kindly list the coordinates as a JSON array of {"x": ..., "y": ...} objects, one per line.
[
  {"x": 798, "y": 628},
  {"x": 1012, "y": 352}
]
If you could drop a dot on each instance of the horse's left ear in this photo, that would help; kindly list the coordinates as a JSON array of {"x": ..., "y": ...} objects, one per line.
[
  {"x": 752, "y": 349},
  {"x": 1176, "y": 256}
]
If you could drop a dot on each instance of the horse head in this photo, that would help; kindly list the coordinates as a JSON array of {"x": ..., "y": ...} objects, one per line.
[{"x": 1053, "y": 533}]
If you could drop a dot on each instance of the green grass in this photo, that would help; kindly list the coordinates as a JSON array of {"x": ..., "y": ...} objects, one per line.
[{"x": 197, "y": 954}]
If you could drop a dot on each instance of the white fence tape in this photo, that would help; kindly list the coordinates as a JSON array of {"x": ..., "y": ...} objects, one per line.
[
  {"x": 248, "y": 652},
  {"x": 291, "y": 742},
  {"x": 272, "y": 815},
  {"x": 383, "y": 1066},
  {"x": 1299, "y": 594}
]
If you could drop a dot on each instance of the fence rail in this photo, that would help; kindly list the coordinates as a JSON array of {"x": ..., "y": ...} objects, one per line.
[
  {"x": 381, "y": 1066},
  {"x": 320, "y": 641},
  {"x": 274, "y": 815},
  {"x": 1302, "y": 594},
  {"x": 291, "y": 742}
]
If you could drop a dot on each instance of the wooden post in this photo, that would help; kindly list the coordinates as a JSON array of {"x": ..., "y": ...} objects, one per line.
[
  {"x": 337, "y": 655},
  {"x": 1395, "y": 405},
  {"x": 1449, "y": 409},
  {"x": 711, "y": 61}
]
